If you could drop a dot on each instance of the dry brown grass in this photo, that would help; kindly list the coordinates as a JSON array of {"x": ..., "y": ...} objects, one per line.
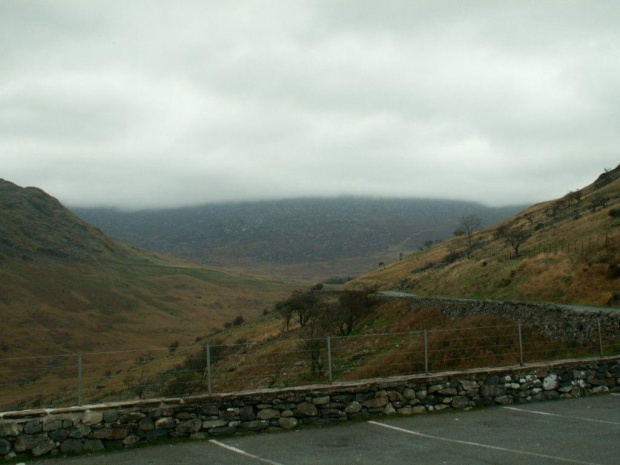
[{"x": 576, "y": 271}]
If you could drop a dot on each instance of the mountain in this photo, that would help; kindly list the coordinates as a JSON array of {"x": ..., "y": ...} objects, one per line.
[
  {"x": 65, "y": 286},
  {"x": 310, "y": 238},
  {"x": 564, "y": 250}
]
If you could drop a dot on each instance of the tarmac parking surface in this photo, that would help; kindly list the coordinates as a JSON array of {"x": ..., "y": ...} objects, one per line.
[{"x": 576, "y": 431}]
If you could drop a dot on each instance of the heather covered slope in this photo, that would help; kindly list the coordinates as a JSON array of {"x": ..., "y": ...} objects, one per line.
[
  {"x": 570, "y": 254},
  {"x": 65, "y": 286}
]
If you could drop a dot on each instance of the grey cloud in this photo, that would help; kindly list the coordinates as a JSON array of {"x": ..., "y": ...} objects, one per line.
[{"x": 142, "y": 104}]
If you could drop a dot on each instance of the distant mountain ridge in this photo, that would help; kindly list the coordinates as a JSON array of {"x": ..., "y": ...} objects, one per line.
[{"x": 292, "y": 232}]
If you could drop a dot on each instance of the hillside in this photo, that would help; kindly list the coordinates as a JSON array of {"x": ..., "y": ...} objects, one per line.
[
  {"x": 310, "y": 238},
  {"x": 568, "y": 252},
  {"x": 65, "y": 286}
]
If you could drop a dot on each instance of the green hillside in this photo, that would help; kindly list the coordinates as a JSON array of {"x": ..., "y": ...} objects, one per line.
[
  {"x": 568, "y": 251},
  {"x": 65, "y": 286}
]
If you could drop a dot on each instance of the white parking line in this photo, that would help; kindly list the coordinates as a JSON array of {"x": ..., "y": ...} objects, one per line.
[
  {"x": 476, "y": 444},
  {"x": 242, "y": 452},
  {"x": 536, "y": 412}
]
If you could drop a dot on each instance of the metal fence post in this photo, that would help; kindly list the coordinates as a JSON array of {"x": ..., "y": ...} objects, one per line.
[
  {"x": 329, "y": 358},
  {"x": 520, "y": 344},
  {"x": 80, "y": 380},
  {"x": 426, "y": 352},
  {"x": 208, "y": 350},
  {"x": 600, "y": 338}
]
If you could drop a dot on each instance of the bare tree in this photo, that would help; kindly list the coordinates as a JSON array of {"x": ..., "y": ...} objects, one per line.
[
  {"x": 467, "y": 228},
  {"x": 515, "y": 237}
]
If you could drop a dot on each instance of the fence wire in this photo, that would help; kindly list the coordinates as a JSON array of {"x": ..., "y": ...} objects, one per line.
[{"x": 69, "y": 379}]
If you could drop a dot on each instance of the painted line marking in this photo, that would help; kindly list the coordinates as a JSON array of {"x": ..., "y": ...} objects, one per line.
[
  {"x": 485, "y": 446},
  {"x": 536, "y": 412},
  {"x": 242, "y": 452}
]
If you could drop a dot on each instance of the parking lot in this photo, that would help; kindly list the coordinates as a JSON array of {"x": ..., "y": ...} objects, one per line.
[{"x": 577, "y": 431}]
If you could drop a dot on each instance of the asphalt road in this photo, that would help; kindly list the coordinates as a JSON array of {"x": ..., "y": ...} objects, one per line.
[
  {"x": 581, "y": 308},
  {"x": 578, "y": 431}
]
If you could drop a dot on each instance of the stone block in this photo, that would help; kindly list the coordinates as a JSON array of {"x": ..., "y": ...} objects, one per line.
[
  {"x": 93, "y": 445},
  {"x": 306, "y": 409},
  {"x": 321, "y": 400},
  {"x": 287, "y": 423},
  {"x": 90, "y": 418},
  {"x": 33, "y": 427},
  {"x": 165, "y": 423},
  {"x": 268, "y": 414},
  {"x": 5, "y": 447},
  {"x": 72, "y": 446}
]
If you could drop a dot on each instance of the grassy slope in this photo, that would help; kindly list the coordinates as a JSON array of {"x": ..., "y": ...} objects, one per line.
[
  {"x": 569, "y": 275},
  {"x": 64, "y": 286}
]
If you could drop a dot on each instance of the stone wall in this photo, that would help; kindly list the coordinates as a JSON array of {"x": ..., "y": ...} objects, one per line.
[
  {"x": 87, "y": 429},
  {"x": 551, "y": 319}
]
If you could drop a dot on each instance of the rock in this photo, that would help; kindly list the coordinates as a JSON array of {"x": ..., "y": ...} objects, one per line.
[
  {"x": 268, "y": 414},
  {"x": 188, "y": 427},
  {"x": 421, "y": 394},
  {"x": 408, "y": 410},
  {"x": 418, "y": 409},
  {"x": 246, "y": 413},
  {"x": 230, "y": 414},
  {"x": 353, "y": 407},
  {"x": 79, "y": 431},
  {"x": 389, "y": 409},
  {"x": 377, "y": 402},
  {"x": 550, "y": 382},
  {"x": 33, "y": 427},
  {"x": 42, "y": 446},
  {"x": 409, "y": 394},
  {"x": 10, "y": 429},
  {"x": 51, "y": 424},
  {"x": 24, "y": 443},
  {"x": 72, "y": 446},
  {"x": 321, "y": 400},
  {"x": 129, "y": 440},
  {"x": 307, "y": 409},
  {"x": 146, "y": 424},
  {"x": 59, "y": 435},
  {"x": 5, "y": 447},
  {"x": 255, "y": 425},
  {"x": 287, "y": 423},
  {"x": 213, "y": 424},
  {"x": 165, "y": 423},
  {"x": 435, "y": 388},
  {"x": 441, "y": 407},
  {"x": 492, "y": 390},
  {"x": 111, "y": 434},
  {"x": 468, "y": 385},
  {"x": 448, "y": 392},
  {"x": 93, "y": 445},
  {"x": 395, "y": 396},
  {"x": 288, "y": 413},
  {"x": 90, "y": 418},
  {"x": 460, "y": 402},
  {"x": 504, "y": 400}
]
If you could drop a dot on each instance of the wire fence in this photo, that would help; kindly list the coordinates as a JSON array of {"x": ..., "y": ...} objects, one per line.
[
  {"x": 583, "y": 246},
  {"x": 70, "y": 379}
]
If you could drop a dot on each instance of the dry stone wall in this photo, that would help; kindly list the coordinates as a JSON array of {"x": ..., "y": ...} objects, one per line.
[
  {"x": 89, "y": 429},
  {"x": 552, "y": 319}
]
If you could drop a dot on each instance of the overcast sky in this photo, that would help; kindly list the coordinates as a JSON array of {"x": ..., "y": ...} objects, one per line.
[{"x": 160, "y": 103}]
